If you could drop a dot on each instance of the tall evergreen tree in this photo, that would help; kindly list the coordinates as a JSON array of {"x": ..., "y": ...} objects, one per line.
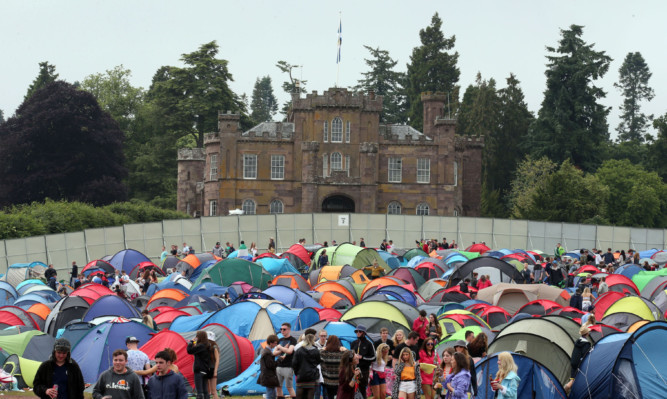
[
  {"x": 47, "y": 74},
  {"x": 634, "y": 75},
  {"x": 431, "y": 68},
  {"x": 2, "y": 116},
  {"x": 658, "y": 148},
  {"x": 571, "y": 123},
  {"x": 264, "y": 104},
  {"x": 385, "y": 81}
]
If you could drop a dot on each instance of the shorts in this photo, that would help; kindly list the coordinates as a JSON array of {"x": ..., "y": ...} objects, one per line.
[
  {"x": 285, "y": 374},
  {"x": 376, "y": 380},
  {"x": 408, "y": 386}
]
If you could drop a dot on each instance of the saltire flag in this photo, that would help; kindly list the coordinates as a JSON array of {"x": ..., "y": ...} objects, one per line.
[{"x": 340, "y": 40}]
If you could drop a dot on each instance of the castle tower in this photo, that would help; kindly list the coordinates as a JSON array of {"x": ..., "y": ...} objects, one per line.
[{"x": 191, "y": 163}]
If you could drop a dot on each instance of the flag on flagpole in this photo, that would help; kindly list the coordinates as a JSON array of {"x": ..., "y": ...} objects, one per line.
[{"x": 340, "y": 39}]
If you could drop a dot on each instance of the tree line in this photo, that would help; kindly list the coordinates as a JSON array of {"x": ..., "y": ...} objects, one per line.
[{"x": 102, "y": 141}]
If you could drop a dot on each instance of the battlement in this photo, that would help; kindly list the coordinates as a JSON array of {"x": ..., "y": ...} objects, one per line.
[
  {"x": 462, "y": 143},
  {"x": 191, "y": 154},
  {"x": 434, "y": 96},
  {"x": 211, "y": 138},
  {"x": 338, "y": 98}
]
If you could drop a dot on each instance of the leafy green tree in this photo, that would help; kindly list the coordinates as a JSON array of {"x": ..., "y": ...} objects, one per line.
[
  {"x": 191, "y": 97},
  {"x": 385, "y": 81},
  {"x": 116, "y": 95},
  {"x": 571, "y": 123},
  {"x": 47, "y": 74},
  {"x": 264, "y": 104},
  {"x": 530, "y": 174},
  {"x": 634, "y": 75},
  {"x": 432, "y": 68},
  {"x": 638, "y": 197},
  {"x": 294, "y": 85},
  {"x": 61, "y": 145},
  {"x": 568, "y": 195},
  {"x": 655, "y": 158}
]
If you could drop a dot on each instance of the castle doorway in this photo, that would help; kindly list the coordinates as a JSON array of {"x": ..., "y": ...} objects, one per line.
[{"x": 338, "y": 203}]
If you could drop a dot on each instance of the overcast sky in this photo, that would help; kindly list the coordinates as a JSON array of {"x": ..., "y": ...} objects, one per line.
[{"x": 82, "y": 37}]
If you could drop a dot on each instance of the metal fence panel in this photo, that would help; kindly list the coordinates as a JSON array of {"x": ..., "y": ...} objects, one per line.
[
  {"x": 605, "y": 238},
  {"x": 290, "y": 228},
  {"x": 64, "y": 248},
  {"x": 483, "y": 231},
  {"x": 104, "y": 241},
  {"x": 654, "y": 238},
  {"x": 501, "y": 234},
  {"x": 638, "y": 239},
  {"x": 257, "y": 229},
  {"x": 404, "y": 230},
  {"x": 371, "y": 227},
  {"x": 621, "y": 238},
  {"x": 146, "y": 238},
  {"x": 518, "y": 234},
  {"x": 466, "y": 232},
  {"x": 331, "y": 226}
]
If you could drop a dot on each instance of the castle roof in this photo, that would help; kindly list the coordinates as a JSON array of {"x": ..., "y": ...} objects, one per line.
[
  {"x": 272, "y": 128},
  {"x": 401, "y": 131}
]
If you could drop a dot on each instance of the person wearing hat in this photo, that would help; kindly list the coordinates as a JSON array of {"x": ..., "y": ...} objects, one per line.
[
  {"x": 62, "y": 371},
  {"x": 136, "y": 359},
  {"x": 365, "y": 352},
  {"x": 462, "y": 347},
  {"x": 218, "y": 250}
]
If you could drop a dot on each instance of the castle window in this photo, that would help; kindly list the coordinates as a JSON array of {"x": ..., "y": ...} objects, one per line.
[
  {"x": 249, "y": 166},
  {"x": 213, "y": 172},
  {"x": 394, "y": 208},
  {"x": 336, "y": 161},
  {"x": 276, "y": 206},
  {"x": 325, "y": 131},
  {"x": 423, "y": 170},
  {"x": 395, "y": 172},
  {"x": 347, "y": 132},
  {"x": 249, "y": 207},
  {"x": 423, "y": 209},
  {"x": 456, "y": 212},
  {"x": 325, "y": 165},
  {"x": 347, "y": 165},
  {"x": 337, "y": 130},
  {"x": 213, "y": 208},
  {"x": 277, "y": 167},
  {"x": 456, "y": 173}
]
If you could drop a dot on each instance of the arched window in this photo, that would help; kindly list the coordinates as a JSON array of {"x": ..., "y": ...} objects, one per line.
[
  {"x": 394, "y": 208},
  {"x": 249, "y": 207},
  {"x": 336, "y": 161},
  {"x": 422, "y": 209},
  {"x": 456, "y": 173},
  {"x": 337, "y": 130},
  {"x": 276, "y": 206}
]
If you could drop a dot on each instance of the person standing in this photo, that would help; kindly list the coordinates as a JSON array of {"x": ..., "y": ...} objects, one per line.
[
  {"x": 74, "y": 273},
  {"x": 166, "y": 384},
  {"x": 428, "y": 355},
  {"x": 348, "y": 377},
  {"x": 218, "y": 250},
  {"x": 323, "y": 260},
  {"x": 285, "y": 351},
  {"x": 364, "y": 350},
  {"x": 322, "y": 341},
  {"x": 420, "y": 326},
  {"x": 267, "y": 367},
  {"x": 458, "y": 383},
  {"x": 136, "y": 359},
  {"x": 331, "y": 357},
  {"x": 407, "y": 378},
  {"x": 559, "y": 252},
  {"x": 461, "y": 347},
  {"x": 362, "y": 243},
  {"x": 119, "y": 382},
  {"x": 272, "y": 246},
  {"x": 305, "y": 362},
  {"x": 506, "y": 383},
  {"x": 201, "y": 349},
  {"x": 59, "y": 370},
  {"x": 384, "y": 339},
  {"x": 213, "y": 372},
  {"x": 243, "y": 249},
  {"x": 379, "y": 366}
]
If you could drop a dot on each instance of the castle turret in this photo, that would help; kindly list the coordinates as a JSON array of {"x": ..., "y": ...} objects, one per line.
[{"x": 191, "y": 163}]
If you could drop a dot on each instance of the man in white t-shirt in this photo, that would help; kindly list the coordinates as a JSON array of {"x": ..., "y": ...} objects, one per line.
[{"x": 136, "y": 359}]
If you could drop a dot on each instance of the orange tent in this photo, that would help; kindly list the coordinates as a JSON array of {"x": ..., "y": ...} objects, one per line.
[
  {"x": 166, "y": 297},
  {"x": 383, "y": 282},
  {"x": 332, "y": 286},
  {"x": 39, "y": 309},
  {"x": 292, "y": 280}
]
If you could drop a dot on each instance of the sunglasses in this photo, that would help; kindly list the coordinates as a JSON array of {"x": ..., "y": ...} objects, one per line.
[
  {"x": 283, "y": 329},
  {"x": 429, "y": 344}
]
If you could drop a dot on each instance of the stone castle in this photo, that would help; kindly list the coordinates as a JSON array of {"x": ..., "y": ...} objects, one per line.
[{"x": 334, "y": 155}]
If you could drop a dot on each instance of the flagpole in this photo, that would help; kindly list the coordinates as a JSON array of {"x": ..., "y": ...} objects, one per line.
[{"x": 340, "y": 42}]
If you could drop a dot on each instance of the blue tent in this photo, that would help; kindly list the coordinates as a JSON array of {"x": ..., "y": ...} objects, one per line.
[
  {"x": 648, "y": 253},
  {"x": 291, "y": 297},
  {"x": 389, "y": 259},
  {"x": 26, "y": 301},
  {"x": 8, "y": 294},
  {"x": 93, "y": 351},
  {"x": 625, "y": 366},
  {"x": 245, "y": 383},
  {"x": 25, "y": 285},
  {"x": 127, "y": 259},
  {"x": 398, "y": 293},
  {"x": 166, "y": 283},
  {"x": 629, "y": 270},
  {"x": 416, "y": 260},
  {"x": 110, "y": 305},
  {"x": 197, "y": 272},
  {"x": 277, "y": 266},
  {"x": 536, "y": 380},
  {"x": 209, "y": 289}
]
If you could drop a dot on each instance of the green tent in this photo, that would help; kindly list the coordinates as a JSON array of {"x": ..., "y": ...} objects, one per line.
[
  {"x": 411, "y": 253},
  {"x": 32, "y": 344},
  {"x": 377, "y": 314},
  {"x": 23, "y": 369},
  {"x": 458, "y": 335},
  {"x": 348, "y": 254},
  {"x": 231, "y": 270},
  {"x": 470, "y": 255},
  {"x": 644, "y": 277}
]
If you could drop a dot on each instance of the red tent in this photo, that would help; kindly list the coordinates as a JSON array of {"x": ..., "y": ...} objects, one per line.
[
  {"x": 539, "y": 307},
  {"x": 481, "y": 248}
]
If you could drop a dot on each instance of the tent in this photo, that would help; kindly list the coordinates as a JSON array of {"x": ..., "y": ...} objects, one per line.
[
  {"x": 22, "y": 369},
  {"x": 291, "y": 280},
  {"x": 479, "y": 248},
  {"x": 376, "y": 314},
  {"x": 143, "y": 267},
  {"x": 390, "y": 259},
  {"x": 298, "y": 256},
  {"x": 539, "y": 339},
  {"x": 98, "y": 265},
  {"x": 539, "y": 307},
  {"x": 229, "y": 271},
  {"x": 93, "y": 351},
  {"x": 166, "y": 297},
  {"x": 392, "y": 293},
  {"x": 292, "y": 298},
  {"x": 33, "y": 345},
  {"x": 127, "y": 259},
  {"x": 620, "y": 283},
  {"x": 430, "y": 287},
  {"x": 8, "y": 294},
  {"x": 625, "y": 366},
  {"x": 500, "y": 271},
  {"x": 411, "y": 253},
  {"x": 537, "y": 381},
  {"x": 66, "y": 310},
  {"x": 512, "y": 296},
  {"x": 348, "y": 254},
  {"x": 24, "y": 271},
  {"x": 277, "y": 266},
  {"x": 409, "y": 275},
  {"x": 110, "y": 305},
  {"x": 328, "y": 273},
  {"x": 193, "y": 261},
  {"x": 23, "y": 315}
]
